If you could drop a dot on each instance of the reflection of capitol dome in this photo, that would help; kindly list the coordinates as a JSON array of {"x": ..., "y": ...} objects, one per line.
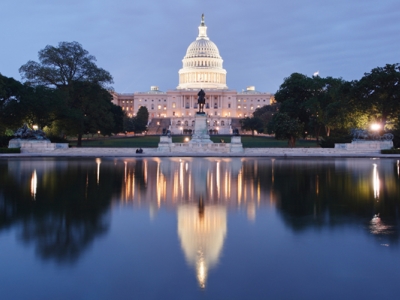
[
  {"x": 202, "y": 64},
  {"x": 202, "y": 230}
]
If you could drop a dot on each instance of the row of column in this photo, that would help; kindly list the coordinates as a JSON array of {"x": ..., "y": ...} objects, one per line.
[
  {"x": 202, "y": 77},
  {"x": 193, "y": 99}
]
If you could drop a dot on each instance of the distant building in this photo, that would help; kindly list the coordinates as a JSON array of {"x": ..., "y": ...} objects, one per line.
[{"x": 202, "y": 69}]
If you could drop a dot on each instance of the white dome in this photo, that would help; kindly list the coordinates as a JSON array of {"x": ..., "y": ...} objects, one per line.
[
  {"x": 202, "y": 48},
  {"x": 202, "y": 64}
]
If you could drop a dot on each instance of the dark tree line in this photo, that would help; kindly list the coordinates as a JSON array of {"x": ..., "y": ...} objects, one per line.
[
  {"x": 64, "y": 93},
  {"x": 331, "y": 107}
]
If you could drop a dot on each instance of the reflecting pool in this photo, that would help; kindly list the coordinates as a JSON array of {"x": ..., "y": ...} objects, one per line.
[{"x": 199, "y": 228}]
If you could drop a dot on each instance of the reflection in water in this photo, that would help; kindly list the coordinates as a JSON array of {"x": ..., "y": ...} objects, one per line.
[
  {"x": 375, "y": 181},
  {"x": 378, "y": 227},
  {"x": 202, "y": 230},
  {"x": 98, "y": 162},
  {"x": 71, "y": 207},
  {"x": 34, "y": 184}
]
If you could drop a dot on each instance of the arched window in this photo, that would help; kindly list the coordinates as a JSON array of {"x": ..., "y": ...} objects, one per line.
[{"x": 222, "y": 123}]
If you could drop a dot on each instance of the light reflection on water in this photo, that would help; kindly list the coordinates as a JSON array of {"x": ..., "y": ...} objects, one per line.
[{"x": 65, "y": 205}]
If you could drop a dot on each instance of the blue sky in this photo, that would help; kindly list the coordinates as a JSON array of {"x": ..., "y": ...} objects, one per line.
[{"x": 142, "y": 42}]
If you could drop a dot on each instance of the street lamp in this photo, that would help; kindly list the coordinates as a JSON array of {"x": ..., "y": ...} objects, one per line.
[{"x": 375, "y": 127}]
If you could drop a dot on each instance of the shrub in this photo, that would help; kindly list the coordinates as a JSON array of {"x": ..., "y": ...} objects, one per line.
[
  {"x": 329, "y": 142},
  {"x": 390, "y": 151},
  {"x": 10, "y": 150}
]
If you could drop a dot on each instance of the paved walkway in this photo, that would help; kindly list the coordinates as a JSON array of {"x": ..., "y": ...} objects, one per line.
[{"x": 248, "y": 152}]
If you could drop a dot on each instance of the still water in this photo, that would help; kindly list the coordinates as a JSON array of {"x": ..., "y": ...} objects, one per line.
[{"x": 198, "y": 228}]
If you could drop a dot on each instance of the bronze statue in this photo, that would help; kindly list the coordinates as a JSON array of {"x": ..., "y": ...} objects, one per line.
[{"x": 201, "y": 100}]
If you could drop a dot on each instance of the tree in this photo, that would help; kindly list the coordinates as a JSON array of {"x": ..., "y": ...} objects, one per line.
[
  {"x": 379, "y": 92},
  {"x": 265, "y": 114},
  {"x": 88, "y": 116},
  {"x": 286, "y": 127},
  {"x": 129, "y": 124},
  {"x": 63, "y": 65},
  {"x": 11, "y": 92},
  {"x": 141, "y": 120},
  {"x": 253, "y": 124},
  {"x": 71, "y": 69}
]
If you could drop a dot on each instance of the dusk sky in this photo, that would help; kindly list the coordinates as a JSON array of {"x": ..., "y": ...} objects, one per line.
[{"x": 142, "y": 42}]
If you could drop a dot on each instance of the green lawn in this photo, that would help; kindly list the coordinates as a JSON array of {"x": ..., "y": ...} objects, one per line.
[{"x": 152, "y": 142}]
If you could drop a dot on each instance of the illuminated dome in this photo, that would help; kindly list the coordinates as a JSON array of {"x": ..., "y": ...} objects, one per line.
[
  {"x": 202, "y": 64},
  {"x": 202, "y": 48}
]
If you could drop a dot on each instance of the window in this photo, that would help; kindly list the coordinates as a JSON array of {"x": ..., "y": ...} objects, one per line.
[
  {"x": 173, "y": 113},
  {"x": 229, "y": 105},
  {"x": 187, "y": 105},
  {"x": 152, "y": 106},
  {"x": 173, "y": 104},
  {"x": 222, "y": 123},
  {"x": 159, "y": 106},
  {"x": 165, "y": 107},
  {"x": 239, "y": 106},
  {"x": 178, "y": 123},
  {"x": 186, "y": 123}
]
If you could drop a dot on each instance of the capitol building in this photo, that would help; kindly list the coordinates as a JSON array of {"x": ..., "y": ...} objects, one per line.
[{"x": 202, "y": 68}]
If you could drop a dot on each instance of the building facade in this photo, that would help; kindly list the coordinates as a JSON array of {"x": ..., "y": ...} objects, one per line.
[{"x": 202, "y": 68}]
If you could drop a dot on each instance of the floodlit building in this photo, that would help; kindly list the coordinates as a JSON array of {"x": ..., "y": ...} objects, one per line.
[{"x": 202, "y": 68}]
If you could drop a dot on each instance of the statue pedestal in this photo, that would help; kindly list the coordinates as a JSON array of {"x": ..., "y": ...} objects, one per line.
[
  {"x": 35, "y": 145},
  {"x": 200, "y": 135},
  {"x": 366, "y": 145},
  {"x": 236, "y": 144},
  {"x": 165, "y": 144}
]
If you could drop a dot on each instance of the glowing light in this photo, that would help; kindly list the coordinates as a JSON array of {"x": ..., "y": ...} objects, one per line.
[
  {"x": 34, "y": 184},
  {"x": 35, "y": 127},
  {"x": 375, "y": 126},
  {"x": 186, "y": 139}
]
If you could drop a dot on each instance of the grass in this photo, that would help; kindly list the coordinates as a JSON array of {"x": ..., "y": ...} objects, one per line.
[
  {"x": 128, "y": 142},
  {"x": 152, "y": 142}
]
